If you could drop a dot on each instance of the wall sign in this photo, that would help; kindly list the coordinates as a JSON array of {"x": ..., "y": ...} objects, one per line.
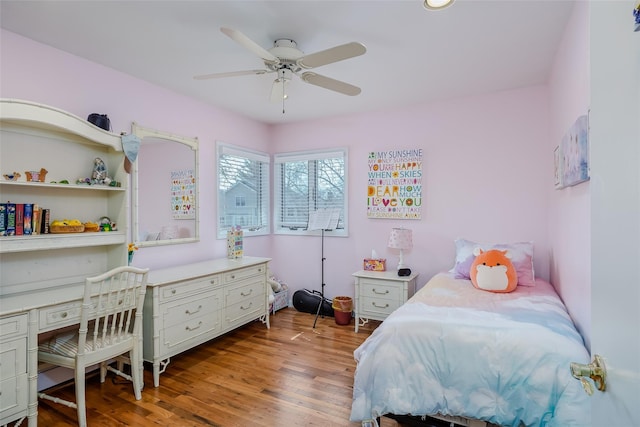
[
  {"x": 394, "y": 187},
  {"x": 183, "y": 194}
]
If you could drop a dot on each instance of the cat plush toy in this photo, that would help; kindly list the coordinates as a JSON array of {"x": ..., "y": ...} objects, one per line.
[{"x": 493, "y": 271}]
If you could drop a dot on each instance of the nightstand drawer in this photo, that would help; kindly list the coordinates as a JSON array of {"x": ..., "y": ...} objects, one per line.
[
  {"x": 379, "y": 289},
  {"x": 378, "y": 306}
]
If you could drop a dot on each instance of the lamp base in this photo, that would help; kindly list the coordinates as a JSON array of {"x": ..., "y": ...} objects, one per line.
[{"x": 404, "y": 272}]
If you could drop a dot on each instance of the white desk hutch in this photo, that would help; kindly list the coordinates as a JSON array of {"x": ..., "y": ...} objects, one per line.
[{"x": 42, "y": 276}]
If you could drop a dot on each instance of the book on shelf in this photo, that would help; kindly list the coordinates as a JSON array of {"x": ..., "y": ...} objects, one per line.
[
  {"x": 3, "y": 219},
  {"x": 10, "y": 229},
  {"x": 37, "y": 211},
  {"x": 19, "y": 219},
  {"x": 27, "y": 226},
  {"x": 44, "y": 221}
]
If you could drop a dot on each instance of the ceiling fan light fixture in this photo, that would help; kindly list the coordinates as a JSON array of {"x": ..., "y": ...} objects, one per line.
[{"x": 437, "y": 4}]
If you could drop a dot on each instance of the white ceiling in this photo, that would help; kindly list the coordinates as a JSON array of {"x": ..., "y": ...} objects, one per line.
[{"x": 413, "y": 55}]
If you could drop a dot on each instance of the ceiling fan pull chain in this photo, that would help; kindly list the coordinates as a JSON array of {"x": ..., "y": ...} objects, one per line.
[{"x": 283, "y": 97}]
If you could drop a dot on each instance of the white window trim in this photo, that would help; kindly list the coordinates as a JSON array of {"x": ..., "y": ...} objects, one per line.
[
  {"x": 305, "y": 156},
  {"x": 224, "y": 148}
]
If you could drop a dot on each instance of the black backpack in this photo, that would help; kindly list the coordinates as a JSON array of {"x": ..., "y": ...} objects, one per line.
[{"x": 100, "y": 120}]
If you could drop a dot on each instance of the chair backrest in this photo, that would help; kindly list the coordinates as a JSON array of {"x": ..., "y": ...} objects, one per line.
[{"x": 112, "y": 308}]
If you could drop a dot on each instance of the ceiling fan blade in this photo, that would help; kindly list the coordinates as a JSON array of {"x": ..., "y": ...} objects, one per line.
[
  {"x": 331, "y": 84},
  {"x": 230, "y": 74},
  {"x": 249, "y": 44},
  {"x": 334, "y": 54}
]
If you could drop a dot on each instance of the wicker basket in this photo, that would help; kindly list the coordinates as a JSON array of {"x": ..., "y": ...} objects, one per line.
[
  {"x": 91, "y": 227},
  {"x": 59, "y": 229}
]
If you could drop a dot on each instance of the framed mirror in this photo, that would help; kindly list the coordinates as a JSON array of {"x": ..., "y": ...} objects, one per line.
[{"x": 165, "y": 189}]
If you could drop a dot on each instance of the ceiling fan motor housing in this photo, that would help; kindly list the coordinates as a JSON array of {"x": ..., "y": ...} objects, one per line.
[{"x": 286, "y": 50}]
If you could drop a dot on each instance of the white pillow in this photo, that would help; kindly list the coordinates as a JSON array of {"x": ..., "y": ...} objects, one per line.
[{"x": 521, "y": 258}]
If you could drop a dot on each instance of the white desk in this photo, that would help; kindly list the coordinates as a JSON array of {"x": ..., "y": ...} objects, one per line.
[{"x": 22, "y": 317}]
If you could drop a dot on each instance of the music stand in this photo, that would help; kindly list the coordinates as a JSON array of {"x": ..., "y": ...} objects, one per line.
[{"x": 323, "y": 220}]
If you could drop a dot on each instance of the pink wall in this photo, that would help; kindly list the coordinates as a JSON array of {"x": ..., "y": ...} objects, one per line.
[
  {"x": 486, "y": 168},
  {"x": 487, "y": 164},
  {"x": 569, "y": 208}
]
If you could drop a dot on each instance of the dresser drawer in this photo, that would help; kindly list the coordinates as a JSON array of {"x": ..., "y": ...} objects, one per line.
[
  {"x": 59, "y": 316},
  {"x": 13, "y": 326},
  {"x": 380, "y": 289},
  {"x": 13, "y": 357},
  {"x": 241, "y": 312},
  {"x": 244, "y": 290},
  {"x": 190, "y": 320},
  {"x": 182, "y": 289},
  {"x": 233, "y": 276},
  {"x": 376, "y": 307},
  {"x": 13, "y": 397}
]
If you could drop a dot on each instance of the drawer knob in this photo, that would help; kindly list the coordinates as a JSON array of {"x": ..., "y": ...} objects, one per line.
[
  {"x": 64, "y": 314},
  {"x": 233, "y": 276},
  {"x": 242, "y": 307},
  {"x": 173, "y": 291},
  {"x": 386, "y": 291},
  {"x": 213, "y": 281},
  {"x": 247, "y": 294}
]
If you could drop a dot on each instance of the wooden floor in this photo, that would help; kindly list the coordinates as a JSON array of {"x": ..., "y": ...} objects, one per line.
[{"x": 289, "y": 375}]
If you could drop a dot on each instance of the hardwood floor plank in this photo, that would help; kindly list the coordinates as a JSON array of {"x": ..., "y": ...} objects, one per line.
[{"x": 290, "y": 375}]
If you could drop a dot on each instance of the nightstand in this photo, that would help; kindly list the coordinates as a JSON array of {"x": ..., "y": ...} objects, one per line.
[{"x": 378, "y": 293}]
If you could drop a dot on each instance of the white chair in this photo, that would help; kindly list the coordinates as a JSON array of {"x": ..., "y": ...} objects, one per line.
[{"x": 110, "y": 329}]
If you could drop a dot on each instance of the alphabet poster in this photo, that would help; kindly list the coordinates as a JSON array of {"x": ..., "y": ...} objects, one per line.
[
  {"x": 183, "y": 194},
  {"x": 394, "y": 187}
]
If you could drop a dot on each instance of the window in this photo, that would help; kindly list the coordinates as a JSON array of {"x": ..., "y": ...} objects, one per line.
[
  {"x": 243, "y": 190},
  {"x": 305, "y": 182}
]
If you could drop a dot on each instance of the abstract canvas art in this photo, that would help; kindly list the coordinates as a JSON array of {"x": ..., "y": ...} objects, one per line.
[{"x": 572, "y": 158}]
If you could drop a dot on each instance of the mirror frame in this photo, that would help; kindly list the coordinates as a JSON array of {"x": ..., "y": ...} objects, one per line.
[{"x": 193, "y": 144}]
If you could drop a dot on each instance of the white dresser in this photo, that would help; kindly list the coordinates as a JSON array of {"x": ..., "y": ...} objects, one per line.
[
  {"x": 378, "y": 293},
  {"x": 190, "y": 304}
]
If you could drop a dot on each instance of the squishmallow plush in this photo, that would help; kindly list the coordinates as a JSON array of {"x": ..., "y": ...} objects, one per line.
[{"x": 493, "y": 271}]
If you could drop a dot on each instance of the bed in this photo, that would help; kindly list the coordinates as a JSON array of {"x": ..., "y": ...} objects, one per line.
[{"x": 457, "y": 352}]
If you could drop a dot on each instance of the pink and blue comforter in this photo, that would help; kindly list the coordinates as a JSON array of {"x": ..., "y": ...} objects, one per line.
[{"x": 459, "y": 351}]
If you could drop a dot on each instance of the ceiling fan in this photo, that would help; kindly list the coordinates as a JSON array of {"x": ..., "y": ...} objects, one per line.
[{"x": 285, "y": 59}]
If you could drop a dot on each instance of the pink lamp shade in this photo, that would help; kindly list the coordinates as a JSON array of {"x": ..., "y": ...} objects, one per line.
[{"x": 400, "y": 238}]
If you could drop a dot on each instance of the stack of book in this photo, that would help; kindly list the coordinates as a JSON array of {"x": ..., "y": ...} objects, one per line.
[{"x": 21, "y": 219}]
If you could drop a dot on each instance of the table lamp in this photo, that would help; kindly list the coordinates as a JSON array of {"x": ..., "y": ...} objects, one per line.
[{"x": 400, "y": 238}]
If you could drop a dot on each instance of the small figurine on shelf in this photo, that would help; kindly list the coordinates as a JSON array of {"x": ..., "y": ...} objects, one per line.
[
  {"x": 36, "y": 176},
  {"x": 12, "y": 176},
  {"x": 99, "y": 171},
  {"x": 131, "y": 250}
]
